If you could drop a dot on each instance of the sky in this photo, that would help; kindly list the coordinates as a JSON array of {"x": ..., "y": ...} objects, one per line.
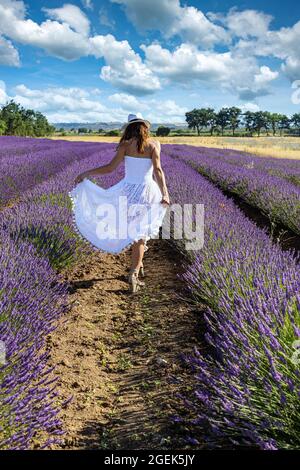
[{"x": 99, "y": 60}]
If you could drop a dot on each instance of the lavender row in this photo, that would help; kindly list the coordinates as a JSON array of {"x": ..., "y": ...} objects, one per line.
[
  {"x": 283, "y": 167},
  {"x": 277, "y": 198},
  {"x": 35, "y": 162},
  {"x": 37, "y": 239},
  {"x": 248, "y": 383},
  {"x": 288, "y": 169},
  {"x": 31, "y": 302}
]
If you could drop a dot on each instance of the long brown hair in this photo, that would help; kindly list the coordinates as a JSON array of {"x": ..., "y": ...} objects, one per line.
[{"x": 139, "y": 131}]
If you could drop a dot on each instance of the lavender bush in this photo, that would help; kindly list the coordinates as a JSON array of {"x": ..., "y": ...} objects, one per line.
[
  {"x": 277, "y": 198},
  {"x": 248, "y": 386},
  {"x": 31, "y": 301}
]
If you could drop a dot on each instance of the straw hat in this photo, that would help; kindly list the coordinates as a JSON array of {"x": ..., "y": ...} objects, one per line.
[{"x": 132, "y": 118}]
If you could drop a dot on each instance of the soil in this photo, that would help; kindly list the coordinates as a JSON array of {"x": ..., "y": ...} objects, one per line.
[{"x": 120, "y": 354}]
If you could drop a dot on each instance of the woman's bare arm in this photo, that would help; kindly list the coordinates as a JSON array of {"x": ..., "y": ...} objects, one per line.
[
  {"x": 159, "y": 174},
  {"x": 101, "y": 170}
]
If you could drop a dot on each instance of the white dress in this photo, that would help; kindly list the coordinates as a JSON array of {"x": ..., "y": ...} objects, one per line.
[{"x": 114, "y": 218}]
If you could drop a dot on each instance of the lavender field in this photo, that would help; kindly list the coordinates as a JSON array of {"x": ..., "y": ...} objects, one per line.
[{"x": 244, "y": 380}]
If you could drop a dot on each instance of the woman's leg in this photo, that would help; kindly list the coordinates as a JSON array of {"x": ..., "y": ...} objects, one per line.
[{"x": 137, "y": 254}]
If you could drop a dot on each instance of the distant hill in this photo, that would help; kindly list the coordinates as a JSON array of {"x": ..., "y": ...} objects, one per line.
[{"x": 107, "y": 126}]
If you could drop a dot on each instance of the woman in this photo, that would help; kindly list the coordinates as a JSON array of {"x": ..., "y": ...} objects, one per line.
[{"x": 142, "y": 162}]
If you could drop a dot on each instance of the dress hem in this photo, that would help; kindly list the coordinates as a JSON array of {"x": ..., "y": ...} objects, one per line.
[{"x": 145, "y": 238}]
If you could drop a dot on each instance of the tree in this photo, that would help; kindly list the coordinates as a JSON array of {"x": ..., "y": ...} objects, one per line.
[
  {"x": 194, "y": 120},
  {"x": 260, "y": 121},
  {"x": 2, "y": 127},
  {"x": 223, "y": 119},
  {"x": 249, "y": 122},
  {"x": 199, "y": 118},
  {"x": 11, "y": 115},
  {"x": 284, "y": 123},
  {"x": 41, "y": 126},
  {"x": 82, "y": 130},
  {"x": 113, "y": 133},
  {"x": 274, "y": 120},
  {"x": 163, "y": 131},
  {"x": 21, "y": 121},
  {"x": 211, "y": 119},
  {"x": 295, "y": 120},
  {"x": 234, "y": 118}
]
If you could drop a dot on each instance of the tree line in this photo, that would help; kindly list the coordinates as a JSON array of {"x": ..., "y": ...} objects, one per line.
[
  {"x": 233, "y": 119},
  {"x": 16, "y": 120}
]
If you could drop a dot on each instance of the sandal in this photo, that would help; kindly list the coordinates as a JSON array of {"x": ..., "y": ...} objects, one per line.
[{"x": 134, "y": 281}]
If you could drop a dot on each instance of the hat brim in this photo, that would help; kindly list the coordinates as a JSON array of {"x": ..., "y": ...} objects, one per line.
[{"x": 148, "y": 124}]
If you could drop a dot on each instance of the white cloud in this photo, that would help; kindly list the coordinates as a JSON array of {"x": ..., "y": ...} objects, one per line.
[
  {"x": 282, "y": 44},
  {"x": 81, "y": 105},
  {"x": 264, "y": 76},
  {"x": 244, "y": 23},
  {"x": 171, "y": 19},
  {"x": 291, "y": 68},
  {"x": 250, "y": 26},
  {"x": 83, "y": 117},
  {"x": 67, "y": 104},
  {"x": 193, "y": 26},
  {"x": 253, "y": 107},
  {"x": 128, "y": 102},
  {"x": 125, "y": 68},
  {"x": 166, "y": 111},
  {"x": 257, "y": 83},
  {"x": 187, "y": 64},
  {"x": 58, "y": 39},
  {"x": 52, "y": 99},
  {"x": 8, "y": 54},
  {"x": 133, "y": 77},
  {"x": 68, "y": 39},
  {"x": 14, "y": 8},
  {"x": 155, "y": 110},
  {"x": 72, "y": 16}
]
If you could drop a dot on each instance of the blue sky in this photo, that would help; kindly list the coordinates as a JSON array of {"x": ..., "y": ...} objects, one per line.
[{"x": 98, "y": 60}]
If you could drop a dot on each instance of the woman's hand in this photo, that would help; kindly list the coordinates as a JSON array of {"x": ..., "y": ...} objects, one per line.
[
  {"x": 165, "y": 200},
  {"x": 81, "y": 177}
]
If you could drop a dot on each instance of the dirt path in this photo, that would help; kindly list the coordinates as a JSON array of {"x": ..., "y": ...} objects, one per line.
[{"x": 119, "y": 353}]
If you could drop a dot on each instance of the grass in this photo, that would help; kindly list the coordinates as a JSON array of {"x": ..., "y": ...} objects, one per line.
[{"x": 278, "y": 147}]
